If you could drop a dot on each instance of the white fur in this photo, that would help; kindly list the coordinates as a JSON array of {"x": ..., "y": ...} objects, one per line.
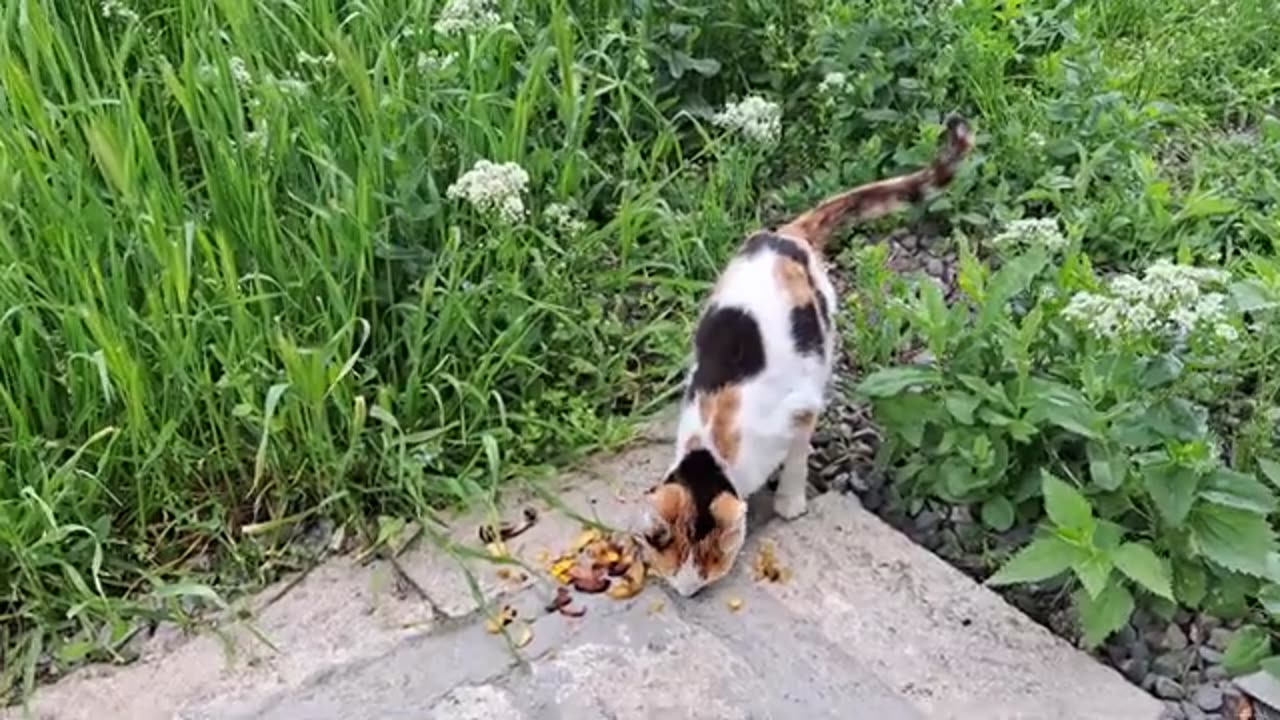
[{"x": 791, "y": 383}]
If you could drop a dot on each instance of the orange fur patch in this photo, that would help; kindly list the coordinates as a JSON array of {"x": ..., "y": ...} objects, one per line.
[
  {"x": 711, "y": 556},
  {"x": 794, "y": 280},
  {"x": 726, "y": 435}
]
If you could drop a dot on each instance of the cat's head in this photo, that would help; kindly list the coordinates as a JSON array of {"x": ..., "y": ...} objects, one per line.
[{"x": 694, "y": 524}]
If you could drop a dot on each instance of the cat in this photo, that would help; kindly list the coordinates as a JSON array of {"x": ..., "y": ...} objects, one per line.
[{"x": 764, "y": 353}]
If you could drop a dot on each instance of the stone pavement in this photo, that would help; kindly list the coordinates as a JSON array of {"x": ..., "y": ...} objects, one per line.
[{"x": 869, "y": 626}]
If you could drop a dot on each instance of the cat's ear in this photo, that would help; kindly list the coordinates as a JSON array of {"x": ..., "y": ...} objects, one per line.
[
  {"x": 665, "y": 528},
  {"x": 729, "y": 511}
]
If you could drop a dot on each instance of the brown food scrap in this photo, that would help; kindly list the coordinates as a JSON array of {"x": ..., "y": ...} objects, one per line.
[
  {"x": 562, "y": 570},
  {"x": 573, "y": 612},
  {"x": 630, "y": 584},
  {"x": 526, "y": 635},
  {"x": 588, "y": 580},
  {"x": 561, "y": 599},
  {"x": 586, "y": 538},
  {"x": 506, "y": 615},
  {"x": 735, "y": 604},
  {"x": 766, "y": 565},
  {"x": 490, "y": 534}
]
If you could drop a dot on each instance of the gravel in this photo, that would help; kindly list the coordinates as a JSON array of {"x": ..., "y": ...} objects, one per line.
[{"x": 1209, "y": 698}]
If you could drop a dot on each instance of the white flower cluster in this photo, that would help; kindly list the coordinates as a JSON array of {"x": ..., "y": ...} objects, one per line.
[
  {"x": 754, "y": 118},
  {"x": 1032, "y": 232},
  {"x": 463, "y": 16},
  {"x": 434, "y": 62},
  {"x": 565, "y": 220},
  {"x": 833, "y": 83},
  {"x": 493, "y": 187},
  {"x": 117, "y": 9},
  {"x": 1169, "y": 300}
]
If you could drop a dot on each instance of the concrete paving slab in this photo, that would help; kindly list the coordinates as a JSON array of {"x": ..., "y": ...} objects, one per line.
[{"x": 870, "y": 626}]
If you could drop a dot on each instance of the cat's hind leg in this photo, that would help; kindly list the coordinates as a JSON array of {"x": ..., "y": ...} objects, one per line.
[{"x": 789, "y": 500}]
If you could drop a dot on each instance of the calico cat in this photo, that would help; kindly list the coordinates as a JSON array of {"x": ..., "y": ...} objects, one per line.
[{"x": 764, "y": 351}]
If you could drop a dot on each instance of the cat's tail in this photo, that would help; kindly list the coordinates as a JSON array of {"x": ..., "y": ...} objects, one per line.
[{"x": 883, "y": 197}]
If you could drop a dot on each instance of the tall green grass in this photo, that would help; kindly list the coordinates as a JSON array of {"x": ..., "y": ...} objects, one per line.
[{"x": 233, "y": 293}]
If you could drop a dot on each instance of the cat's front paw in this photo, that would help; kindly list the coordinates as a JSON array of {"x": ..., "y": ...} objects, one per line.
[{"x": 790, "y": 507}]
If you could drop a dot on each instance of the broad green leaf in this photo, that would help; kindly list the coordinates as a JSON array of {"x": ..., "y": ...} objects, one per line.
[
  {"x": 1014, "y": 277},
  {"x": 1206, "y": 205},
  {"x": 1271, "y": 470},
  {"x": 1173, "y": 490},
  {"x": 1093, "y": 573},
  {"x": 1247, "y": 648},
  {"x": 1271, "y": 666},
  {"x": 1140, "y": 564},
  {"x": 1269, "y": 598},
  {"x": 1162, "y": 370},
  {"x": 891, "y": 381},
  {"x": 1233, "y": 489},
  {"x": 997, "y": 513},
  {"x": 1107, "y": 468},
  {"x": 1066, "y": 507},
  {"x": 1044, "y": 558},
  {"x": 961, "y": 406},
  {"x": 1235, "y": 539},
  {"x": 1178, "y": 418},
  {"x": 985, "y": 390},
  {"x": 1104, "y": 614},
  {"x": 1252, "y": 295},
  {"x": 1189, "y": 582},
  {"x": 907, "y": 415}
]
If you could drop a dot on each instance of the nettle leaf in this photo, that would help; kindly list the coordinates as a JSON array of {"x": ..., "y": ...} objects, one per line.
[
  {"x": 961, "y": 406},
  {"x": 906, "y": 415},
  {"x": 1233, "y": 489},
  {"x": 1178, "y": 418},
  {"x": 1271, "y": 666},
  {"x": 1106, "y": 467},
  {"x": 1065, "y": 506},
  {"x": 1246, "y": 650},
  {"x": 993, "y": 394},
  {"x": 1094, "y": 572},
  {"x": 1105, "y": 613},
  {"x": 998, "y": 513},
  {"x": 1140, "y": 564},
  {"x": 1269, "y": 598},
  {"x": 1271, "y": 470},
  {"x": 1044, "y": 558},
  {"x": 1173, "y": 490},
  {"x": 1235, "y": 539},
  {"x": 1013, "y": 278},
  {"x": 894, "y": 380},
  {"x": 1060, "y": 405},
  {"x": 1162, "y": 370},
  {"x": 1190, "y": 582},
  {"x": 1251, "y": 295}
]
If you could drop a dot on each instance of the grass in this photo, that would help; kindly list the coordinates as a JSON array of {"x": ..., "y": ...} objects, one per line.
[{"x": 235, "y": 295}]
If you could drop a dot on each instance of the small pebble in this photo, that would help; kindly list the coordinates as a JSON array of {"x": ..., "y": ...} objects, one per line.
[
  {"x": 1219, "y": 638},
  {"x": 1173, "y": 638},
  {"x": 1191, "y": 712},
  {"x": 1208, "y": 698},
  {"x": 1213, "y": 673},
  {"x": 1135, "y": 670},
  {"x": 934, "y": 267},
  {"x": 1173, "y": 711},
  {"x": 1169, "y": 664},
  {"x": 1209, "y": 655},
  {"x": 1168, "y": 689}
]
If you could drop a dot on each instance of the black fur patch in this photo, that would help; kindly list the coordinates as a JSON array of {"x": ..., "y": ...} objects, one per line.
[
  {"x": 806, "y": 330},
  {"x": 785, "y": 247},
  {"x": 729, "y": 349},
  {"x": 705, "y": 480}
]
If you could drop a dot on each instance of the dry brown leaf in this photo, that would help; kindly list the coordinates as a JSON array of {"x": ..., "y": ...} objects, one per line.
[{"x": 735, "y": 604}]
